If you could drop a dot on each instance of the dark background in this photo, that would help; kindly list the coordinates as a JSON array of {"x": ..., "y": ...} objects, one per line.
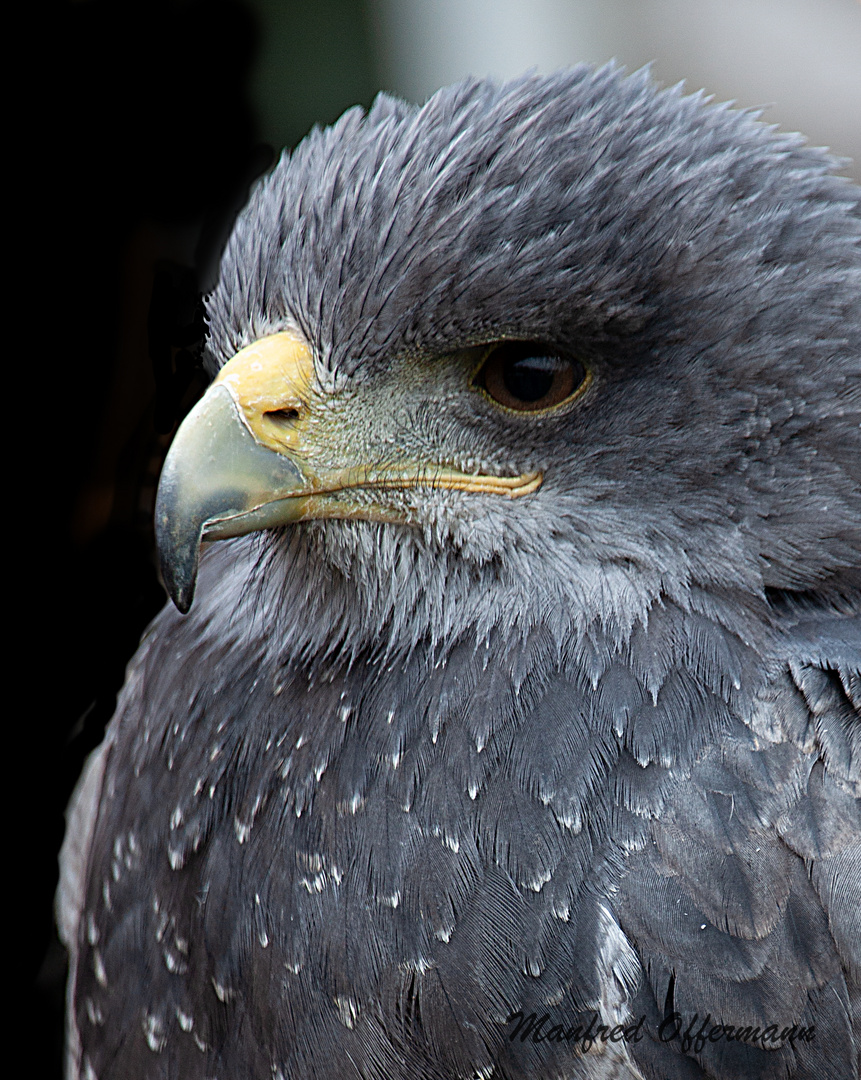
[{"x": 141, "y": 139}]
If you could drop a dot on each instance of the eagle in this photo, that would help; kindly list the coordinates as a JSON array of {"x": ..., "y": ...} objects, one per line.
[{"x": 507, "y": 719}]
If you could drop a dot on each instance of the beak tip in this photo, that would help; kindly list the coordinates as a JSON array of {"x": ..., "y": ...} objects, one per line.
[
  {"x": 179, "y": 586},
  {"x": 178, "y": 551},
  {"x": 183, "y": 602}
]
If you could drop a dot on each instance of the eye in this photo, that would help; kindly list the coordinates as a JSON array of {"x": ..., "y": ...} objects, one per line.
[{"x": 527, "y": 377}]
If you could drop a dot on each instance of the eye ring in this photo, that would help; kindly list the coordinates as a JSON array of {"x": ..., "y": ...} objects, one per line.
[{"x": 526, "y": 377}]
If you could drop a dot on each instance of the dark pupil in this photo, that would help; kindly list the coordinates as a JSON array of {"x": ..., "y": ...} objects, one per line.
[{"x": 529, "y": 378}]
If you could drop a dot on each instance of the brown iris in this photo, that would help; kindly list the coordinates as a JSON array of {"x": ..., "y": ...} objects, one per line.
[{"x": 527, "y": 377}]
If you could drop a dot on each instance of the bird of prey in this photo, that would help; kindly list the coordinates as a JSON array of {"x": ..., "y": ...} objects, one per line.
[{"x": 510, "y": 726}]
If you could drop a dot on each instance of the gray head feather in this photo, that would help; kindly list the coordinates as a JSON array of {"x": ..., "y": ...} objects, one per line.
[{"x": 706, "y": 266}]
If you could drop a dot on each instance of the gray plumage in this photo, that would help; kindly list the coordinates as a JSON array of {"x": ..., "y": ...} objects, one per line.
[{"x": 592, "y": 751}]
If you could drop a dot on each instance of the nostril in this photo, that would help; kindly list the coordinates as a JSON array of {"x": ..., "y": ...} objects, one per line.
[{"x": 282, "y": 416}]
